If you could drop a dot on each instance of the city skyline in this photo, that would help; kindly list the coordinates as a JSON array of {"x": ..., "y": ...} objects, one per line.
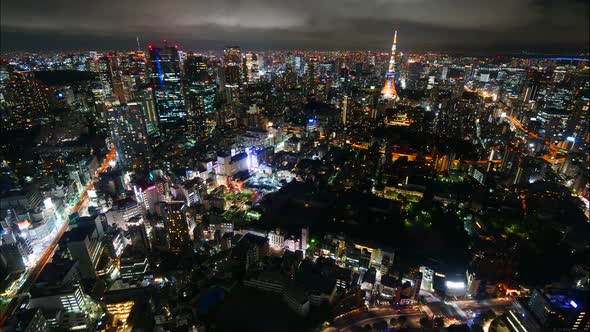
[{"x": 273, "y": 183}]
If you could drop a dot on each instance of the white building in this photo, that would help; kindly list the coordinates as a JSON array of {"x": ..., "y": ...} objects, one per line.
[{"x": 122, "y": 212}]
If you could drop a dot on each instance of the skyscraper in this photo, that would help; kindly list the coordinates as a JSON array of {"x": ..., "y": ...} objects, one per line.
[
  {"x": 250, "y": 67},
  {"x": 388, "y": 92},
  {"x": 129, "y": 134},
  {"x": 167, "y": 90},
  {"x": 136, "y": 70},
  {"x": 312, "y": 75},
  {"x": 577, "y": 122},
  {"x": 312, "y": 71},
  {"x": 104, "y": 67},
  {"x": 196, "y": 69},
  {"x": 201, "y": 103},
  {"x": 200, "y": 93},
  {"x": 232, "y": 59},
  {"x": 150, "y": 113}
]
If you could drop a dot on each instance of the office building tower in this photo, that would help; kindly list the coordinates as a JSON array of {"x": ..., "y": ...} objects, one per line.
[
  {"x": 200, "y": 94},
  {"x": 201, "y": 104},
  {"x": 344, "y": 109},
  {"x": 196, "y": 69},
  {"x": 150, "y": 113},
  {"x": 177, "y": 232},
  {"x": 312, "y": 70},
  {"x": 167, "y": 89},
  {"x": 250, "y": 67},
  {"x": 84, "y": 244},
  {"x": 129, "y": 134},
  {"x": 551, "y": 310},
  {"x": 232, "y": 60},
  {"x": 415, "y": 72},
  {"x": 444, "y": 73},
  {"x": 298, "y": 63},
  {"x": 104, "y": 68},
  {"x": 136, "y": 69}
]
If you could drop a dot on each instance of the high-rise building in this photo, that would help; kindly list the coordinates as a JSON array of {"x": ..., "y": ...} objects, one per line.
[
  {"x": 177, "y": 232},
  {"x": 344, "y": 109},
  {"x": 552, "y": 310},
  {"x": 196, "y": 69},
  {"x": 150, "y": 113},
  {"x": 104, "y": 68},
  {"x": 85, "y": 245},
  {"x": 114, "y": 74},
  {"x": 129, "y": 134},
  {"x": 232, "y": 59},
  {"x": 312, "y": 71},
  {"x": 304, "y": 239},
  {"x": 251, "y": 73},
  {"x": 137, "y": 70},
  {"x": 200, "y": 93},
  {"x": 25, "y": 96},
  {"x": 577, "y": 122},
  {"x": 167, "y": 89},
  {"x": 414, "y": 75},
  {"x": 388, "y": 92},
  {"x": 201, "y": 104}
]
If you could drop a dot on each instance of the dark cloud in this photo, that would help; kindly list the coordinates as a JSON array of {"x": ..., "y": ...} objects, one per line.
[{"x": 326, "y": 24}]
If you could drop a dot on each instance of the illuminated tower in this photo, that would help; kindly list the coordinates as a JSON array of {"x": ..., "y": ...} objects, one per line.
[{"x": 388, "y": 92}]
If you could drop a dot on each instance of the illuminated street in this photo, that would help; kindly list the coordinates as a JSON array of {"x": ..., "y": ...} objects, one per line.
[{"x": 44, "y": 250}]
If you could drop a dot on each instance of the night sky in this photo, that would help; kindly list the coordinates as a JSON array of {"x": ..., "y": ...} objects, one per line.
[{"x": 559, "y": 26}]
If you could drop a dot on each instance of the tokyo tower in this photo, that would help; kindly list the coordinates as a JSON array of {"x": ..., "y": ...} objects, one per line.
[{"x": 388, "y": 92}]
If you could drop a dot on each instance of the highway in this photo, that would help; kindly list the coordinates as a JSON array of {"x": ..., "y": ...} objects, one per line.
[
  {"x": 500, "y": 302},
  {"x": 375, "y": 315},
  {"x": 550, "y": 157},
  {"x": 34, "y": 272},
  {"x": 451, "y": 311},
  {"x": 498, "y": 306}
]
